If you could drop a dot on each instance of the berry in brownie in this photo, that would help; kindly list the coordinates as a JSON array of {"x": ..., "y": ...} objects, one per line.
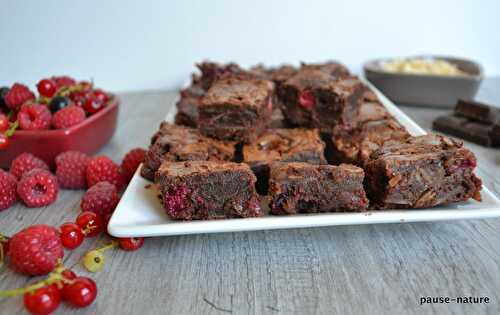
[
  {"x": 200, "y": 190},
  {"x": 237, "y": 110},
  {"x": 34, "y": 117},
  {"x": 305, "y": 188},
  {"x": 180, "y": 143},
  {"x": 38, "y": 188},
  {"x": 314, "y": 98},
  {"x": 421, "y": 172},
  {"x": 285, "y": 145}
]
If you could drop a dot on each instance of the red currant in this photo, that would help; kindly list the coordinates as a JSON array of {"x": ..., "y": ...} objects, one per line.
[
  {"x": 68, "y": 274},
  {"x": 91, "y": 223},
  {"x": 71, "y": 235},
  {"x": 4, "y": 123},
  {"x": 93, "y": 105},
  {"x": 4, "y": 141},
  {"x": 306, "y": 99},
  {"x": 81, "y": 292},
  {"x": 100, "y": 95},
  {"x": 47, "y": 87},
  {"x": 131, "y": 243},
  {"x": 79, "y": 98},
  {"x": 43, "y": 301}
]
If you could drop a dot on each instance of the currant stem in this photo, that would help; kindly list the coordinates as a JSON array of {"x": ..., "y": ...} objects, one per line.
[
  {"x": 3, "y": 239},
  {"x": 12, "y": 129},
  {"x": 112, "y": 244},
  {"x": 54, "y": 277}
]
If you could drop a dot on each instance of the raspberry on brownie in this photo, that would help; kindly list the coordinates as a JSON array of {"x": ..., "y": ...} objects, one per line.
[
  {"x": 306, "y": 188},
  {"x": 181, "y": 143},
  {"x": 314, "y": 98},
  {"x": 286, "y": 145},
  {"x": 237, "y": 110},
  {"x": 421, "y": 172},
  {"x": 200, "y": 190}
]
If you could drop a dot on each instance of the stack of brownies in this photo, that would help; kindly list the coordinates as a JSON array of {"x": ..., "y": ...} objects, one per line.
[{"x": 312, "y": 138}]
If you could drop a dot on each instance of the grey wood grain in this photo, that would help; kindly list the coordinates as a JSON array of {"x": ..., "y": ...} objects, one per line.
[{"x": 378, "y": 269}]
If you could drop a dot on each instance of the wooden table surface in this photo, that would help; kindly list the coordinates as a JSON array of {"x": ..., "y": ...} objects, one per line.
[{"x": 373, "y": 269}]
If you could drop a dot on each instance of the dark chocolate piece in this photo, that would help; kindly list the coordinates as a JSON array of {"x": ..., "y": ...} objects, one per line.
[
  {"x": 465, "y": 129},
  {"x": 477, "y": 111}
]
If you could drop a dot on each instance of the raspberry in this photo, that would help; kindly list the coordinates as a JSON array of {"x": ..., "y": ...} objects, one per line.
[
  {"x": 307, "y": 99},
  {"x": 35, "y": 250},
  {"x": 8, "y": 185},
  {"x": 38, "y": 188},
  {"x": 101, "y": 198},
  {"x": 63, "y": 81},
  {"x": 175, "y": 202},
  {"x": 34, "y": 117},
  {"x": 131, "y": 162},
  {"x": 71, "y": 169},
  {"x": 24, "y": 163},
  {"x": 68, "y": 116},
  {"x": 103, "y": 169},
  {"x": 17, "y": 96}
]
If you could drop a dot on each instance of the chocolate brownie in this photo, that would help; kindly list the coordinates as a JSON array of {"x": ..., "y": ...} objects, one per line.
[
  {"x": 278, "y": 75},
  {"x": 356, "y": 146},
  {"x": 212, "y": 72},
  {"x": 495, "y": 135},
  {"x": 333, "y": 68},
  {"x": 201, "y": 190},
  {"x": 313, "y": 98},
  {"x": 187, "y": 106},
  {"x": 421, "y": 172},
  {"x": 238, "y": 110},
  {"x": 286, "y": 145},
  {"x": 306, "y": 188},
  {"x": 478, "y": 111},
  {"x": 464, "y": 128},
  {"x": 180, "y": 143},
  {"x": 277, "y": 119}
]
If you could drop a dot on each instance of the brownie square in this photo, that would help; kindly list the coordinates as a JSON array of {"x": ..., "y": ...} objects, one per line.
[
  {"x": 286, "y": 145},
  {"x": 278, "y": 75},
  {"x": 477, "y": 111},
  {"x": 201, "y": 190},
  {"x": 421, "y": 172},
  {"x": 187, "y": 106},
  {"x": 237, "y": 110},
  {"x": 179, "y": 143},
  {"x": 306, "y": 188},
  {"x": 355, "y": 146},
  {"x": 212, "y": 72},
  {"x": 313, "y": 98},
  {"x": 333, "y": 68}
]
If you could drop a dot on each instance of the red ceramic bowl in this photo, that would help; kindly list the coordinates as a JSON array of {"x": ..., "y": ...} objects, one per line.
[{"x": 86, "y": 137}]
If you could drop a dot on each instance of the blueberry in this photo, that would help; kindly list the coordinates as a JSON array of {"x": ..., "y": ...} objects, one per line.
[
  {"x": 3, "y": 90},
  {"x": 58, "y": 103}
]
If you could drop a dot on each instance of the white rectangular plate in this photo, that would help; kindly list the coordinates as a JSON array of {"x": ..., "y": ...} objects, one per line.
[{"x": 140, "y": 213}]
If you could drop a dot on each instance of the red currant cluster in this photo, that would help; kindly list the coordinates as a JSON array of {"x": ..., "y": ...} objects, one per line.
[{"x": 62, "y": 103}]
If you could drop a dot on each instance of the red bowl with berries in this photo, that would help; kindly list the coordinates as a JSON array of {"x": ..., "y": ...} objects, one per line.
[{"x": 87, "y": 137}]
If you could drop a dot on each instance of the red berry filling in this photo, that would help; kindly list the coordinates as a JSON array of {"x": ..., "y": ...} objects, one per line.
[
  {"x": 175, "y": 201},
  {"x": 306, "y": 99}
]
